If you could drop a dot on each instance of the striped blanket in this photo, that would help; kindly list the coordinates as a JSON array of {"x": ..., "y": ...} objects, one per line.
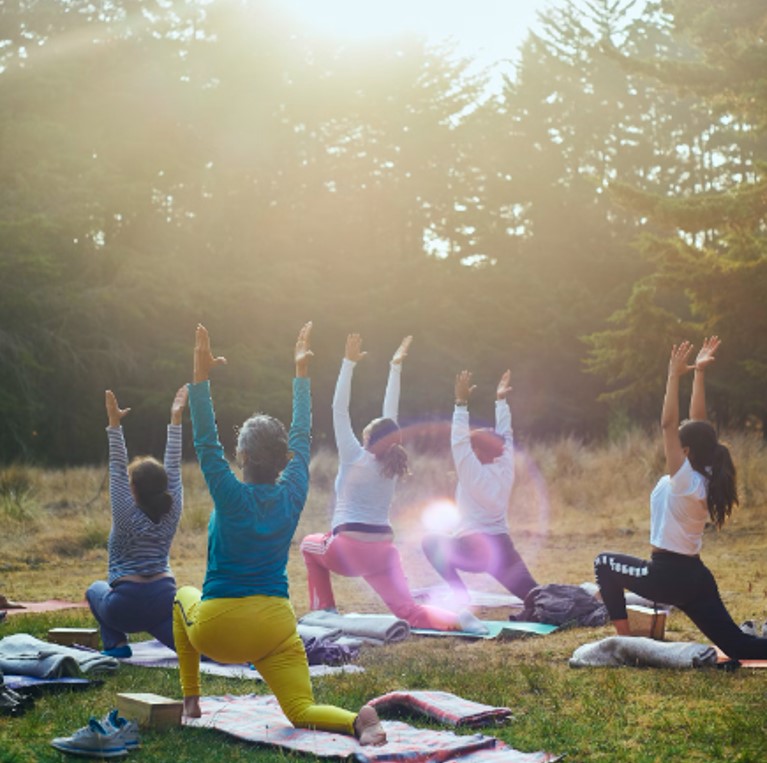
[{"x": 258, "y": 719}]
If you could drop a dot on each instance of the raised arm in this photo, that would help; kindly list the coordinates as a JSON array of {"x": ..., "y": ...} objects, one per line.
[
  {"x": 466, "y": 462},
  {"x": 120, "y": 495},
  {"x": 502, "y": 408},
  {"x": 393, "y": 383},
  {"x": 296, "y": 474},
  {"x": 210, "y": 453},
  {"x": 669, "y": 422},
  {"x": 706, "y": 356},
  {"x": 349, "y": 448},
  {"x": 172, "y": 458}
]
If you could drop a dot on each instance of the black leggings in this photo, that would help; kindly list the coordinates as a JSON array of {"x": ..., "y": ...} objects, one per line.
[
  {"x": 683, "y": 581},
  {"x": 479, "y": 552}
]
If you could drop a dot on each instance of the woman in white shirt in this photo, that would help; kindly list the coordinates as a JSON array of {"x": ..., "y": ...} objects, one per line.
[
  {"x": 700, "y": 487},
  {"x": 484, "y": 464},
  {"x": 361, "y": 541}
]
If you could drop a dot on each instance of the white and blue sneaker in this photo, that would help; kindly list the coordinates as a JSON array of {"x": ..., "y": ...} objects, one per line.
[
  {"x": 127, "y": 730},
  {"x": 92, "y": 741}
]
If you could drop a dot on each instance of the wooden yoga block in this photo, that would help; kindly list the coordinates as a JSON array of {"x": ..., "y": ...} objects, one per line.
[
  {"x": 150, "y": 710},
  {"x": 68, "y": 636},
  {"x": 646, "y": 621}
]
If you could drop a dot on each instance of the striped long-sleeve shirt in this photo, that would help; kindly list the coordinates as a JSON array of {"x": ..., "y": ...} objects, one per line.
[{"x": 138, "y": 546}]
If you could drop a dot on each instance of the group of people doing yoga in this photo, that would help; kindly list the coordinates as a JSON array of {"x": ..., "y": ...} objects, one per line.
[{"x": 244, "y": 614}]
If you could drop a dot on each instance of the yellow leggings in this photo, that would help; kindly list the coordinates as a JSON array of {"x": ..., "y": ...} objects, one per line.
[{"x": 256, "y": 629}]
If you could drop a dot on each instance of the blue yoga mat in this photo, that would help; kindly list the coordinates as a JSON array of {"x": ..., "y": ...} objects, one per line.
[{"x": 500, "y": 629}]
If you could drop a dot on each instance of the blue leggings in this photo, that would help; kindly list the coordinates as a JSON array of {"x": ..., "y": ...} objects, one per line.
[
  {"x": 129, "y": 607},
  {"x": 683, "y": 581}
]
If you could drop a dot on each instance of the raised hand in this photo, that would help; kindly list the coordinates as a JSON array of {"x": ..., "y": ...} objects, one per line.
[
  {"x": 677, "y": 364},
  {"x": 504, "y": 388},
  {"x": 353, "y": 349},
  {"x": 178, "y": 405},
  {"x": 203, "y": 357},
  {"x": 463, "y": 387},
  {"x": 303, "y": 352},
  {"x": 707, "y": 353},
  {"x": 402, "y": 351},
  {"x": 115, "y": 414}
]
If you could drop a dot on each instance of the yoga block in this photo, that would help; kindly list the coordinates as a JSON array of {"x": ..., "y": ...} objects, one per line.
[
  {"x": 68, "y": 636},
  {"x": 150, "y": 710},
  {"x": 646, "y": 621}
]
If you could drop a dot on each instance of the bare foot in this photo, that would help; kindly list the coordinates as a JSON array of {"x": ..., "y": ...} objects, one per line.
[
  {"x": 367, "y": 727},
  {"x": 192, "y": 707}
]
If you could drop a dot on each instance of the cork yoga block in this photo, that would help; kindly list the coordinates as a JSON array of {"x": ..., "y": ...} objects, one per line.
[
  {"x": 68, "y": 636},
  {"x": 646, "y": 621},
  {"x": 150, "y": 710}
]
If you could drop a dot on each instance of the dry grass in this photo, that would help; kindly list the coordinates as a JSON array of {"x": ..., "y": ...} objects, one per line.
[{"x": 569, "y": 502}]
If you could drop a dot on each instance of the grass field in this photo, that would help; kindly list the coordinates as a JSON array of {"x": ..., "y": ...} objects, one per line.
[{"x": 570, "y": 502}]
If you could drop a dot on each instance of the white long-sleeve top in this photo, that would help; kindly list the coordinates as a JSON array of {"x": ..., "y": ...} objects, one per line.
[
  {"x": 363, "y": 494},
  {"x": 483, "y": 490}
]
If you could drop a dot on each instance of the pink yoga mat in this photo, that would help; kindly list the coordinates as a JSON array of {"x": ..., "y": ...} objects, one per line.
[{"x": 46, "y": 606}]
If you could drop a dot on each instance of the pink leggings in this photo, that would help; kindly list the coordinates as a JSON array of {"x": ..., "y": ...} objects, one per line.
[{"x": 379, "y": 564}]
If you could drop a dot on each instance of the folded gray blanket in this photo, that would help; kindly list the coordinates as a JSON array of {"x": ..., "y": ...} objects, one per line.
[
  {"x": 376, "y": 629},
  {"x": 24, "y": 655},
  {"x": 637, "y": 651}
]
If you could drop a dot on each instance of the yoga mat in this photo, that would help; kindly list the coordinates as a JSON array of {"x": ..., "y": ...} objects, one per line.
[
  {"x": 51, "y": 605},
  {"x": 497, "y": 629},
  {"x": 153, "y": 654},
  {"x": 18, "y": 683},
  {"x": 259, "y": 719},
  {"x": 722, "y": 657},
  {"x": 442, "y": 596}
]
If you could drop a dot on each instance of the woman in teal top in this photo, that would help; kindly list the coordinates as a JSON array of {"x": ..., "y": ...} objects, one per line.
[{"x": 243, "y": 613}]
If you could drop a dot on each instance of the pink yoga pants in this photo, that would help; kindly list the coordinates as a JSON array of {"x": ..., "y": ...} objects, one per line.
[{"x": 376, "y": 562}]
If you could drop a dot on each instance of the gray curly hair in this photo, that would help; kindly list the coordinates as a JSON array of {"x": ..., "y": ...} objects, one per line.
[{"x": 262, "y": 446}]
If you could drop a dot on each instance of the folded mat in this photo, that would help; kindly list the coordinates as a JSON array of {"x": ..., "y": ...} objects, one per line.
[
  {"x": 442, "y": 595},
  {"x": 51, "y": 605},
  {"x": 442, "y": 706},
  {"x": 375, "y": 629},
  {"x": 24, "y": 655},
  {"x": 641, "y": 652},
  {"x": 153, "y": 654},
  {"x": 259, "y": 719},
  {"x": 504, "y": 630}
]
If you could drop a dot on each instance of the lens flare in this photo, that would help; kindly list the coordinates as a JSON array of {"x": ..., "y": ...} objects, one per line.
[{"x": 440, "y": 517}]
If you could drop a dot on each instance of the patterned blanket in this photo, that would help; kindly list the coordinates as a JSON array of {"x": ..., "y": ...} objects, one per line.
[
  {"x": 259, "y": 719},
  {"x": 442, "y": 706}
]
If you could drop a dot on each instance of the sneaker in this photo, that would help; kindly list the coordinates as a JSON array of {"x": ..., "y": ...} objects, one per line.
[
  {"x": 92, "y": 741},
  {"x": 749, "y": 628},
  {"x": 119, "y": 652},
  {"x": 9, "y": 704},
  {"x": 368, "y": 728},
  {"x": 128, "y": 730},
  {"x": 471, "y": 624}
]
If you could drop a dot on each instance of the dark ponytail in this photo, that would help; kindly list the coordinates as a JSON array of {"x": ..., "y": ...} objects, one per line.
[
  {"x": 385, "y": 443},
  {"x": 713, "y": 460},
  {"x": 722, "y": 485},
  {"x": 149, "y": 481}
]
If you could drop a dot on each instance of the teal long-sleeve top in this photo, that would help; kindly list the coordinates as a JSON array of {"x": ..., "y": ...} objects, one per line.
[{"x": 251, "y": 526}]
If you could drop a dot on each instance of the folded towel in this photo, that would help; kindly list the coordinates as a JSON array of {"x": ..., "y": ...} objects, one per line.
[
  {"x": 25, "y": 655},
  {"x": 377, "y": 629},
  {"x": 637, "y": 651}
]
